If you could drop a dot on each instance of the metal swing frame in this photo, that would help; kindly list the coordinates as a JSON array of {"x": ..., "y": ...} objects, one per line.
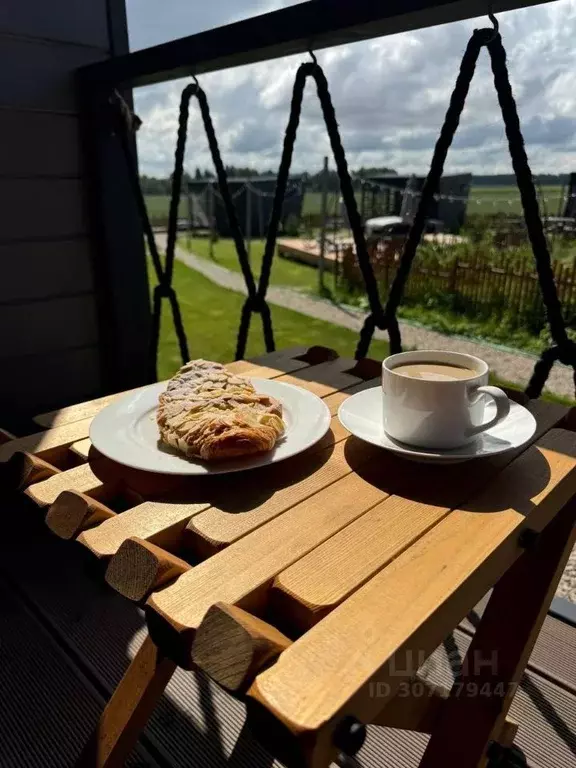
[{"x": 127, "y": 326}]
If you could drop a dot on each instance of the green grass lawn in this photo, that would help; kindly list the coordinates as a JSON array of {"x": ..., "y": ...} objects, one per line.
[
  {"x": 284, "y": 271},
  {"x": 211, "y": 316}
]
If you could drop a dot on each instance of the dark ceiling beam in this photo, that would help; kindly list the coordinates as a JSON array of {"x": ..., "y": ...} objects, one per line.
[{"x": 315, "y": 24}]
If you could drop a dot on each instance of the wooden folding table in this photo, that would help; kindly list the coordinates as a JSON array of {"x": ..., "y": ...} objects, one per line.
[{"x": 314, "y": 589}]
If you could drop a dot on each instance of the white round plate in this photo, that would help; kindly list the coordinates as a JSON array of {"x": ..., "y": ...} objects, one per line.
[
  {"x": 362, "y": 415},
  {"x": 126, "y": 431}
]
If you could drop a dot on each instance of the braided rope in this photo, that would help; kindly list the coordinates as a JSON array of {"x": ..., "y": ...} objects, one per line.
[
  {"x": 429, "y": 189},
  {"x": 253, "y": 303},
  {"x": 312, "y": 69},
  {"x": 194, "y": 90},
  {"x": 564, "y": 349},
  {"x": 124, "y": 124},
  {"x": 432, "y": 182}
]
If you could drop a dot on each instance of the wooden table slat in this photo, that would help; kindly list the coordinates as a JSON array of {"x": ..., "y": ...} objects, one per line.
[
  {"x": 314, "y": 585},
  {"x": 137, "y": 570},
  {"x": 335, "y": 400},
  {"x": 289, "y": 483},
  {"x": 6, "y": 437},
  {"x": 243, "y": 570},
  {"x": 78, "y": 412},
  {"x": 80, "y": 479},
  {"x": 238, "y": 510},
  {"x": 82, "y": 448},
  {"x": 325, "y": 378},
  {"x": 160, "y": 523},
  {"x": 416, "y": 600},
  {"x": 23, "y": 469},
  {"x": 271, "y": 370},
  {"x": 43, "y": 442}
]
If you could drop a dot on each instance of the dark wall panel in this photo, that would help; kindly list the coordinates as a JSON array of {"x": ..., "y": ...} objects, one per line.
[
  {"x": 74, "y": 21},
  {"x": 39, "y": 144},
  {"x": 39, "y": 270},
  {"x": 39, "y": 75},
  {"x": 47, "y": 326},
  {"x": 41, "y": 208},
  {"x": 39, "y": 383}
]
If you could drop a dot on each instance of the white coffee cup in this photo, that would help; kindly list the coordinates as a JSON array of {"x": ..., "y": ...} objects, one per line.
[{"x": 443, "y": 413}]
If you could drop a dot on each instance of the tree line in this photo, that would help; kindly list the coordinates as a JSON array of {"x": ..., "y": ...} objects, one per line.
[{"x": 312, "y": 181}]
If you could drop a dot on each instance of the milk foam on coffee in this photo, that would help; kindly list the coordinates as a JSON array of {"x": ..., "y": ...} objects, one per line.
[{"x": 434, "y": 371}]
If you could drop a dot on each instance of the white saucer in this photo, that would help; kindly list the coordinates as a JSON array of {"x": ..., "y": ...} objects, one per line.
[
  {"x": 362, "y": 415},
  {"x": 126, "y": 431}
]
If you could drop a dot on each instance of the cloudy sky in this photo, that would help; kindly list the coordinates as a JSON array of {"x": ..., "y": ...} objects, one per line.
[{"x": 390, "y": 94}]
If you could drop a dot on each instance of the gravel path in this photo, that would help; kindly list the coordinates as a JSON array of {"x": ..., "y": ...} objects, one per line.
[{"x": 509, "y": 366}]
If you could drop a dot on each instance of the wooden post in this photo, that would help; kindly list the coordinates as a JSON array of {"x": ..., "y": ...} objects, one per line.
[
  {"x": 571, "y": 297},
  {"x": 211, "y": 218},
  {"x": 453, "y": 276},
  {"x": 119, "y": 255},
  {"x": 190, "y": 214},
  {"x": 323, "y": 214},
  {"x": 248, "y": 227},
  {"x": 191, "y": 211}
]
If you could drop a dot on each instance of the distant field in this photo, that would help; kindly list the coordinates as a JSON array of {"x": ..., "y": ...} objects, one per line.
[
  {"x": 158, "y": 206},
  {"x": 313, "y": 202},
  {"x": 483, "y": 200},
  {"x": 507, "y": 200}
]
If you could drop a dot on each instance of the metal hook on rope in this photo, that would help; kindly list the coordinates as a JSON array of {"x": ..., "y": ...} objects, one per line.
[
  {"x": 495, "y": 24},
  {"x": 489, "y": 36},
  {"x": 313, "y": 57},
  {"x": 195, "y": 80},
  {"x": 494, "y": 20}
]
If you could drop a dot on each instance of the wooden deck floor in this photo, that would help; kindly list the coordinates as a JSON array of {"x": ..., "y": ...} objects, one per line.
[{"x": 66, "y": 639}]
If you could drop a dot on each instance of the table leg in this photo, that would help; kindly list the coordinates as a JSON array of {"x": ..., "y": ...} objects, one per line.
[
  {"x": 128, "y": 710},
  {"x": 476, "y": 710}
]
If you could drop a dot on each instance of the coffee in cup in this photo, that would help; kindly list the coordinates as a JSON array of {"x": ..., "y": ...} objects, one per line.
[
  {"x": 436, "y": 399},
  {"x": 434, "y": 371}
]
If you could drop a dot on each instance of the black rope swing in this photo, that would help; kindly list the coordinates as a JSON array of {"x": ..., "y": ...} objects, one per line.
[{"x": 381, "y": 317}]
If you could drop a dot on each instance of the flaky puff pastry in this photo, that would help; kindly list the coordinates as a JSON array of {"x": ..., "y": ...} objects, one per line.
[{"x": 211, "y": 414}]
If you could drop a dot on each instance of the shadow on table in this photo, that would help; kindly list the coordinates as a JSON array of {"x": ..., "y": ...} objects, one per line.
[
  {"x": 251, "y": 487},
  {"x": 454, "y": 485}
]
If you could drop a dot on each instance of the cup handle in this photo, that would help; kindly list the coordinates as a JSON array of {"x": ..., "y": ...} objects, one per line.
[{"x": 502, "y": 409}]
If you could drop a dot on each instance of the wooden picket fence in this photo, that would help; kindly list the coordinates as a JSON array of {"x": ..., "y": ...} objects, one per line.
[{"x": 479, "y": 286}]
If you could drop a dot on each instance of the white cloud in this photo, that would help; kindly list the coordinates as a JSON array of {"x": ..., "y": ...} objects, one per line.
[{"x": 390, "y": 97}]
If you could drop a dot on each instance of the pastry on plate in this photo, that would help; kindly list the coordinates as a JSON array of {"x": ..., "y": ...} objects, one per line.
[{"x": 209, "y": 413}]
